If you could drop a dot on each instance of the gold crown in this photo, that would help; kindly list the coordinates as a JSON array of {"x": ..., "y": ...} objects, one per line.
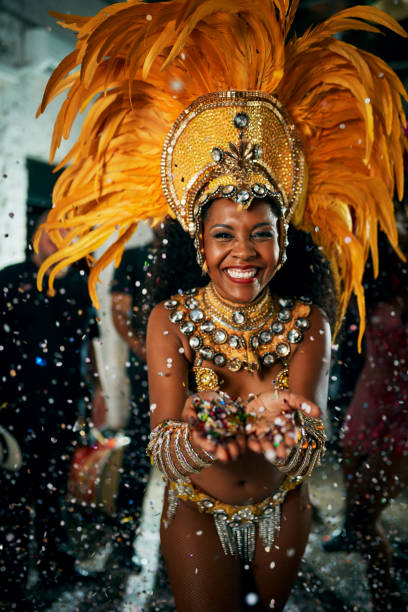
[{"x": 239, "y": 145}]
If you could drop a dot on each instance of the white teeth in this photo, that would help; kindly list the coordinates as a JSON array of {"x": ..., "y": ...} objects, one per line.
[{"x": 236, "y": 273}]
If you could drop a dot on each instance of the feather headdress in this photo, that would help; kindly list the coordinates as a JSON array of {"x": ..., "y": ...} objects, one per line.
[{"x": 138, "y": 66}]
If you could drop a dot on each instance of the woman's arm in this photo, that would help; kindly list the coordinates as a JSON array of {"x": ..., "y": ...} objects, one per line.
[
  {"x": 170, "y": 446},
  {"x": 272, "y": 434},
  {"x": 171, "y": 407}
]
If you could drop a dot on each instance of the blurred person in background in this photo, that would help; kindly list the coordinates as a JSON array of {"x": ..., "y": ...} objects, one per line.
[
  {"x": 127, "y": 297},
  {"x": 375, "y": 432},
  {"x": 43, "y": 380}
]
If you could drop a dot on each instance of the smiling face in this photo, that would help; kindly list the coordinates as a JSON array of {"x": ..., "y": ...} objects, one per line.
[{"x": 241, "y": 248}]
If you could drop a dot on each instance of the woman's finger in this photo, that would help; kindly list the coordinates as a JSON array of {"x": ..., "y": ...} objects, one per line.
[
  {"x": 254, "y": 445},
  {"x": 301, "y": 403},
  {"x": 204, "y": 443}
]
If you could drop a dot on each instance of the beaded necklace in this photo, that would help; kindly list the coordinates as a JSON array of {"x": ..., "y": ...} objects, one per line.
[{"x": 239, "y": 336}]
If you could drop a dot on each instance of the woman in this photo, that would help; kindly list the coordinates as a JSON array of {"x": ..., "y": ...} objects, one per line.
[
  {"x": 259, "y": 136},
  {"x": 241, "y": 250}
]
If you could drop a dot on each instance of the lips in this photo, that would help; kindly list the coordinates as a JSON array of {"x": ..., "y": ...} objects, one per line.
[{"x": 242, "y": 274}]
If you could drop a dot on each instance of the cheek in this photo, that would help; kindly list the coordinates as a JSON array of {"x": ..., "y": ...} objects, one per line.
[{"x": 214, "y": 253}]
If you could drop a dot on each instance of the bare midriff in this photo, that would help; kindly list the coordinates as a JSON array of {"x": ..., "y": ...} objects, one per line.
[{"x": 251, "y": 477}]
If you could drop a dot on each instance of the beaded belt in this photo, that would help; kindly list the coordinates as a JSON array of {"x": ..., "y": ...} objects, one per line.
[{"x": 236, "y": 525}]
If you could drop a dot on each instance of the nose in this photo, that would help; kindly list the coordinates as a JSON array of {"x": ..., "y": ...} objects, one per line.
[{"x": 243, "y": 248}]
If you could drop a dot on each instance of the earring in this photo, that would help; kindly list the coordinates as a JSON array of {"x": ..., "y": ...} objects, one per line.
[{"x": 204, "y": 268}]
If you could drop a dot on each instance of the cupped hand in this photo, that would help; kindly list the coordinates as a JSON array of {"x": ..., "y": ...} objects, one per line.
[
  {"x": 272, "y": 429},
  {"x": 227, "y": 450}
]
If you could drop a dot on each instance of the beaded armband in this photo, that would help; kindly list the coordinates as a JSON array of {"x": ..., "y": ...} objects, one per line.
[
  {"x": 171, "y": 450},
  {"x": 309, "y": 450}
]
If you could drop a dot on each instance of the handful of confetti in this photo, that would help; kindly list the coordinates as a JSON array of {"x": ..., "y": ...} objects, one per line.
[{"x": 219, "y": 419}]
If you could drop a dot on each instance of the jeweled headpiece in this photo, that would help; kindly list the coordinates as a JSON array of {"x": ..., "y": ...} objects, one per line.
[
  {"x": 235, "y": 144},
  {"x": 245, "y": 113}
]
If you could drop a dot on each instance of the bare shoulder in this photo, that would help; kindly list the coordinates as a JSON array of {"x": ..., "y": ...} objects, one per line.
[{"x": 159, "y": 323}]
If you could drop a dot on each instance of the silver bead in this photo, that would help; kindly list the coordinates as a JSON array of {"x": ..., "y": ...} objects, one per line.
[
  {"x": 207, "y": 326},
  {"x": 176, "y": 316},
  {"x": 170, "y": 304},
  {"x": 196, "y": 315},
  {"x": 241, "y": 120},
  {"x": 277, "y": 327},
  {"x": 206, "y": 352},
  {"x": 219, "y": 360},
  {"x": 191, "y": 303},
  {"x": 217, "y": 154},
  {"x": 302, "y": 323},
  {"x": 220, "y": 336},
  {"x": 195, "y": 342},
  {"x": 258, "y": 190},
  {"x": 243, "y": 196},
  {"x": 265, "y": 337},
  {"x": 238, "y": 317},
  {"x": 294, "y": 336},
  {"x": 233, "y": 341},
  {"x": 268, "y": 359},
  {"x": 254, "y": 342},
  {"x": 286, "y": 302},
  {"x": 283, "y": 349},
  {"x": 228, "y": 190},
  {"x": 284, "y": 315},
  {"x": 187, "y": 328}
]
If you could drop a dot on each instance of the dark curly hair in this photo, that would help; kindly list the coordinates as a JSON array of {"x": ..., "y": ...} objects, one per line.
[{"x": 174, "y": 268}]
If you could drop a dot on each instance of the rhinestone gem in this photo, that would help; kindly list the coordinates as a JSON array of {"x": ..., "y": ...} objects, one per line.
[
  {"x": 284, "y": 315},
  {"x": 234, "y": 365},
  {"x": 277, "y": 327},
  {"x": 302, "y": 323},
  {"x": 219, "y": 359},
  {"x": 207, "y": 326},
  {"x": 268, "y": 359},
  {"x": 191, "y": 303},
  {"x": 243, "y": 196},
  {"x": 265, "y": 337},
  {"x": 233, "y": 341},
  {"x": 187, "y": 328},
  {"x": 220, "y": 336},
  {"x": 283, "y": 349},
  {"x": 217, "y": 154},
  {"x": 195, "y": 342},
  {"x": 220, "y": 514},
  {"x": 196, "y": 315},
  {"x": 254, "y": 341},
  {"x": 241, "y": 120},
  {"x": 305, "y": 300},
  {"x": 176, "y": 316},
  {"x": 206, "y": 352},
  {"x": 294, "y": 336},
  {"x": 258, "y": 190},
  {"x": 286, "y": 302},
  {"x": 207, "y": 503},
  {"x": 238, "y": 317},
  {"x": 170, "y": 304},
  {"x": 190, "y": 291},
  {"x": 228, "y": 190}
]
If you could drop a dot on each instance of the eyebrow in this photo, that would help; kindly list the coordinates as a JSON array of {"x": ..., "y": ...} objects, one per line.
[{"x": 231, "y": 228}]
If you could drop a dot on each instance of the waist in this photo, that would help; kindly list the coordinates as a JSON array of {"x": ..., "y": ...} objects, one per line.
[{"x": 186, "y": 491}]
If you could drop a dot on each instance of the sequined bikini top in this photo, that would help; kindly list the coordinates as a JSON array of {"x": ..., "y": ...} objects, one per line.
[{"x": 239, "y": 336}]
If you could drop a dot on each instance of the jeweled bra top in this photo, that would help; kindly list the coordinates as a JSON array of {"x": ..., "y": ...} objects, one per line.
[{"x": 239, "y": 336}]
